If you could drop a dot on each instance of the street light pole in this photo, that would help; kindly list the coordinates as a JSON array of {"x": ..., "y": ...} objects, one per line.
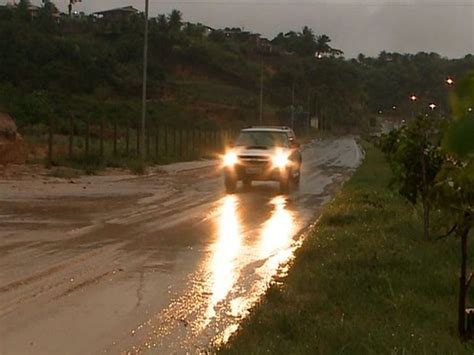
[
  {"x": 145, "y": 70},
  {"x": 413, "y": 99}
]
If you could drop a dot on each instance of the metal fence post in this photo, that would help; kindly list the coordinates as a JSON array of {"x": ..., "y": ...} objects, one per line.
[
  {"x": 138, "y": 139},
  {"x": 166, "y": 140},
  {"x": 157, "y": 141},
  {"x": 71, "y": 135},
  {"x": 127, "y": 139},
  {"x": 50, "y": 142},
  {"x": 88, "y": 135},
  {"x": 102, "y": 123},
  {"x": 115, "y": 138},
  {"x": 175, "y": 139},
  {"x": 181, "y": 144}
]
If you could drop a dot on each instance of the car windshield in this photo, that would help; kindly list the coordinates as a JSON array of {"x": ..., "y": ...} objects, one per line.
[{"x": 262, "y": 139}]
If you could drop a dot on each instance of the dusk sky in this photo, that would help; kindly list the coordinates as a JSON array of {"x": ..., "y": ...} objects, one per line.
[{"x": 355, "y": 26}]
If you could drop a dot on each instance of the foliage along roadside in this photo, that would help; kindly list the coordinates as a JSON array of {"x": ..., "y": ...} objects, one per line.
[{"x": 442, "y": 174}]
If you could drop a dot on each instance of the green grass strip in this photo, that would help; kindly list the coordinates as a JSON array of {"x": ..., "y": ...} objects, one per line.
[{"x": 364, "y": 282}]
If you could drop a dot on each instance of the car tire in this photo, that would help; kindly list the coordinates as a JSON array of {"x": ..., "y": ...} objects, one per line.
[{"x": 230, "y": 184}]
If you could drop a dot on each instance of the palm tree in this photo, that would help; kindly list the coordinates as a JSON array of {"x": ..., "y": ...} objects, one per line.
[
  {"x": 323, "y": 47},
  {"x": 162, "y": 23},
  {"x": 23, "y": 9},
  {"x": 175, "y": 20}
]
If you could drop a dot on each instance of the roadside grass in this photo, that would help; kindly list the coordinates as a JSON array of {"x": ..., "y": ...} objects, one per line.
[{"x": 364, "y": 282}]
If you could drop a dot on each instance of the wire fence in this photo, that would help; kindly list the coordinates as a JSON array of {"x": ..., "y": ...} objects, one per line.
[{"x": 104, "y": 139}]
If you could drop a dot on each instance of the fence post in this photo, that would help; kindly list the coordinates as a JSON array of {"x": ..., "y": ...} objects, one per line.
[
  {"x": 216, "y": 140},
  {"x": 189, "y": 143},
  {"x": 71, "y": 135},
  {"x": 175, "y": 149},
  {"x": 181, "y": 144},
  {"x": 138, "y": 139},
  {"x": 198, "y": 142},
  {"x": 127, "y": 139},
  {"x": 88, "y": 135},
  {"x": 115, "y": 138},
  {"x": 102, "y": 123},
  {"x": 147, "y": 140},
  {"x": 220, "y": 140},
  {"x": 50, "y": 142},
  {"x": 157, "y": 141},
  {"x": 166, "y": 140},
  {"x": 208, "y": 142},
  {"x": 147, "y": 136}
]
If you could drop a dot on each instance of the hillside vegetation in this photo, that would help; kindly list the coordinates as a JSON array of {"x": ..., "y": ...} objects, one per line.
[{"x": 88, "y": 67}]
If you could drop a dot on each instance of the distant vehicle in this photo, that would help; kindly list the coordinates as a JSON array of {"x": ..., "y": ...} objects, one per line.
[{"x": 263, "y": 154}]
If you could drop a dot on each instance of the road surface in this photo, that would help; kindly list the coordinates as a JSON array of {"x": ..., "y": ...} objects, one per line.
[{"x": 164, "y": 263}]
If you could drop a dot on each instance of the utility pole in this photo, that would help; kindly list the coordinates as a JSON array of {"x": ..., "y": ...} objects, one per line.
[
  {"x": 261, "y": 92},
  {"x": 145, "y": 67}
]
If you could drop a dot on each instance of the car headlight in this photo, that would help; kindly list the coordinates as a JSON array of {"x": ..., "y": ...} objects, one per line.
[
  {"x": 280, "y": 160},
  {"x": 230, "y": 159}
]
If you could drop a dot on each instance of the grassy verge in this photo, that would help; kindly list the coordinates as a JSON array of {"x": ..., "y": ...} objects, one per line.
[{"x": 363, "y": 282}]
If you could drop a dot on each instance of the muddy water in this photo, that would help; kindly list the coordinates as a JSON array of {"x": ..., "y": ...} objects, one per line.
[{"x": 165, "y": 263}]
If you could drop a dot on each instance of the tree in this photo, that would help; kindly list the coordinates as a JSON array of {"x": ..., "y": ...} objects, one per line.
[
  {"x": 22, "y": 10},
  {"x": 46, "y": 16},
  {"x": 456, "y": 183},
  {"x": 306, "y": 43},
  {"x": 175, "y": 20},
  {"x": 415, "y": 158},
  {"x": 162, "y": 23},
  {"x": 322, "y": 47}
]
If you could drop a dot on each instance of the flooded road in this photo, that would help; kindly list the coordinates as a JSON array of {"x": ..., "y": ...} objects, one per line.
[{"x": 165, "y": 263}]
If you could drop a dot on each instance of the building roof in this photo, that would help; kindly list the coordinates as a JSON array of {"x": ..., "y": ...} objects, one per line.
[{"x": 32, "y": 7}]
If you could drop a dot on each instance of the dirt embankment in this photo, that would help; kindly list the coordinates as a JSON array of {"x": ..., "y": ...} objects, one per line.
[{"x": 13, "y": 148}]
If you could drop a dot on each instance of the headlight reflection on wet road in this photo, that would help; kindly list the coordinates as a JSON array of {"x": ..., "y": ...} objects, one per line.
[
  {"x": 275, "y": 247},
  {"x": 230, "y": 288},
  {"x": 253, "y": 237},
  {"x": 278, "y": 230},
  {"x": 222, "y": 266}
]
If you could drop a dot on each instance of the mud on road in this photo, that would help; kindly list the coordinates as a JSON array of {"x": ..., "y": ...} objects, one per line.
[{"x": 163, "y": 263}]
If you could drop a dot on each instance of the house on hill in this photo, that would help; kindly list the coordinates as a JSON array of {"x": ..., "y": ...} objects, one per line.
[
  {"x": 33, "y": 10},
  {"x": 118, "y": 14}
]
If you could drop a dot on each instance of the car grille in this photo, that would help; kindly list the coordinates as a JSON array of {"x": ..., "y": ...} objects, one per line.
[{"x": 254, "y": 160}]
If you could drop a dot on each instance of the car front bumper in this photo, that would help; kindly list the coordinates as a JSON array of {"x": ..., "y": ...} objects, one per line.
[{"x": 256, "y": 172}]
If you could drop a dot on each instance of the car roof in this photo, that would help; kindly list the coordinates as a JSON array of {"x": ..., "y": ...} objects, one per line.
[{"x": 267, "y": 129}]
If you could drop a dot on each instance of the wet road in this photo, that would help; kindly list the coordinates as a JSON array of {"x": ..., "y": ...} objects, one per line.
[{"x": 160, "y": 264}]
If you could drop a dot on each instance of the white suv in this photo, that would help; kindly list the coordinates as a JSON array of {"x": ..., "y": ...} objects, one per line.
[{"x": 263, "y": 154}]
